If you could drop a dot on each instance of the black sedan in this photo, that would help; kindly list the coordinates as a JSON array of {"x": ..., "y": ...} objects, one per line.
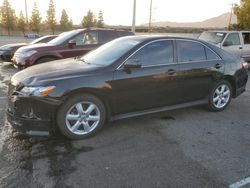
[
  {"x": 7, "y": 51},
  {"x": 126, "y": 77}
]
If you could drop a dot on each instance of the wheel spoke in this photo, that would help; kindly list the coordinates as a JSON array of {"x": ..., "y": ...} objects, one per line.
[
  {"x": 223, "y": 88},
  {"x": 216, "y": 99},
  {"x": 72, "y": 117},
  {"x": 79, "y": 108},
  {"x": 76, "y": 126},
  {"x": 86, "y": 127},
  {"x": 217, "y": 91},
  {"x": 93, "y": 118},
  {"x": 226, "y": 93},
  {"x": 90, "y": 109},
  {"x": 219, "y": 103}
]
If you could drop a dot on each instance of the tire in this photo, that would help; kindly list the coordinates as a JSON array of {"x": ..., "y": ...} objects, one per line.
[
  {"x": 220, "y": 96},
  {"x": 44, "y": 60},
  {"x": 81, "y": 116}
]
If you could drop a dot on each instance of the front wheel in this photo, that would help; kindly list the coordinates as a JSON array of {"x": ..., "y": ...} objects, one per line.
[
  {"x": 81, "y": 116},
  {"x": 220, "y": 96}
]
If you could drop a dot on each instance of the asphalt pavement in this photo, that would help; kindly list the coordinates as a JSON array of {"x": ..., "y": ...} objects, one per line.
[{"x": 183, "y": 148}]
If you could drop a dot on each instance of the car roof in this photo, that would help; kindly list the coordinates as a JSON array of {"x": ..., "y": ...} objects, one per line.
[
  {"x": 142, "y": 38},
  {"x": 225, "y": 31},
  {"x": 102, "y": 29}
]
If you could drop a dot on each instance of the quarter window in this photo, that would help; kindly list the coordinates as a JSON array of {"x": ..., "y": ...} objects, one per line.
[
  {"x": 233, "y": 39},
  {"x": 156, "y": 53},
  {"x": 190, "y": 51}
]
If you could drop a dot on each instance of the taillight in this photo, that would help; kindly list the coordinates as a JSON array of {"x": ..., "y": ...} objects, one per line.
[{"x": 245, "y": 65}]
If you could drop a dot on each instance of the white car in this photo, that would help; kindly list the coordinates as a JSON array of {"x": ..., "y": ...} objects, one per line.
[{"x": 235, "y": 42}]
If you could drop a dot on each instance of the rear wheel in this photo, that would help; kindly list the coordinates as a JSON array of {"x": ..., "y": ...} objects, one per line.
[
  {"x": 220, "y": 96},
  {"x": 81, "y": 116}
]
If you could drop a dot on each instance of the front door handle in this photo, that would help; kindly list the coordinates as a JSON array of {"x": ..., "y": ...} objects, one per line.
[
  {"x": 218, "y": 66},
  {"x": 171, "y": 71},
  {"x": 240, "y": 47}
]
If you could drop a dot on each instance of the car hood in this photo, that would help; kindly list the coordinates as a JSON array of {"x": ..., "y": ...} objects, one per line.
[
  {"x": 38, "y": 46},
  {"x": 52, "y": 71},
  {"x": 10, "y": 46}
]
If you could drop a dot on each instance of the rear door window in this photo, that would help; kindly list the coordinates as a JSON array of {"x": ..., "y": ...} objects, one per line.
[
  {"x": 246, "y": 38},
  {"x": 211, "y": 55},
  {"x": 106, "y": 36},
  {"x": 189, "y": 51}
]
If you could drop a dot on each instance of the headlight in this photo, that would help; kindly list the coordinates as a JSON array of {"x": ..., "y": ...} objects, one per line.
[
  {"x": 41, "y": 91},
  {"x": 27, "y": 54}
]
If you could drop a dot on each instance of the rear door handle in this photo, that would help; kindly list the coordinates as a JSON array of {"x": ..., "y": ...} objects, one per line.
[
  {"x": 218, "y": 66},
  {"x": 171, "y": 71}
]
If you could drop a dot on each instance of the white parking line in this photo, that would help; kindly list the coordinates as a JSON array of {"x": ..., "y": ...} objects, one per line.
[
  {"x": 3, "y": 98},
  {"x": 240, "y": 183}
]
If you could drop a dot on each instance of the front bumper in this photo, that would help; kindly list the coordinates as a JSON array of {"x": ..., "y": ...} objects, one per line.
[
  {"x": 31, "y": 116},
  {"x": 6, "y": 55},
  {"x": 20, "y": 62}
]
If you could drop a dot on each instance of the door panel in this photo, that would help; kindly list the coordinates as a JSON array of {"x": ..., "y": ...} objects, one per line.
[
  {"x": 199, "y": 69},
  {"x": 145, "y": 88},
  {"x": 233, "y": 44},
  {"x": 152, "y": 85}
]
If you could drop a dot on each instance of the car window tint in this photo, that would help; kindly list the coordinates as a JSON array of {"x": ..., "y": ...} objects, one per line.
[
  {"x": 190, "y": 51},
  {"x": 246, "y": 37},
  {"x": 90, "y": 37},
  {"x": 79, "y": 39},
  {"x": 106, "y": 36},
  {"x": 211, "y": 55},
  {"x": 233, "y": 39},
  {"x": 156, "y": 53}
]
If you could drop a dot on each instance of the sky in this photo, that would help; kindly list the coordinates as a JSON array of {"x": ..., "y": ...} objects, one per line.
[{"x": 120, "y": 12}]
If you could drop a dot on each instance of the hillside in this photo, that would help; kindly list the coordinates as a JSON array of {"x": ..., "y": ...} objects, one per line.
[{"x": 216, "y": 22}]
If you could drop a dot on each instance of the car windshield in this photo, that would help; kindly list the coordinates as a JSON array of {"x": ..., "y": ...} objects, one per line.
[
  {"x": 63, "y": 37},
  {"x": 212, "y": 37},
  {"x": 110, "y": 52}
]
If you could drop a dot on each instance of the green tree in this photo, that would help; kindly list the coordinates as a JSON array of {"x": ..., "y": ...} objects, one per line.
[
  {"x": 100, "y": 22},
  {"x": 35, "y": 20},
  {"x": 89, "y": 20},
  {"x": 51, "y": 17},
  {"x": 21, "y": 23},
  {"x": 65, "y": 23},
  {"x": 7, "y": 16},
  {"x": 242, "y": 12}
]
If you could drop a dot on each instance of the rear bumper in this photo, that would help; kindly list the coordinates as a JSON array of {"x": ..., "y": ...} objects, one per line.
[{"x": 241, "y": 82}]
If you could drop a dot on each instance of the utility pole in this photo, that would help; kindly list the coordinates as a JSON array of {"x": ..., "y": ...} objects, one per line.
[
  {"x": 231, "y": 15},
  {"x": 26, "y": 11},
  {"x": 150, "y": 16},
  {"x": 134, "y": 15}
]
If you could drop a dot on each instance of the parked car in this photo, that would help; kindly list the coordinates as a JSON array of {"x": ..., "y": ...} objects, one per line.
[
  {"x": 7, "y": 51},
  {"x": 127, "y": 77},
  {"x": 68, "y": 44},
  {"x": 235, "y": 42},
  {"x": 32, "y": 35}
]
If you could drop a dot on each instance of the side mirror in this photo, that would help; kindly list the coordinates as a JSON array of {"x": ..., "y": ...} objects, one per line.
[
  {"x": 132, "y": 64},
  {"x": 227, "y": 43},
  {"x": 72, "y": 43}
]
